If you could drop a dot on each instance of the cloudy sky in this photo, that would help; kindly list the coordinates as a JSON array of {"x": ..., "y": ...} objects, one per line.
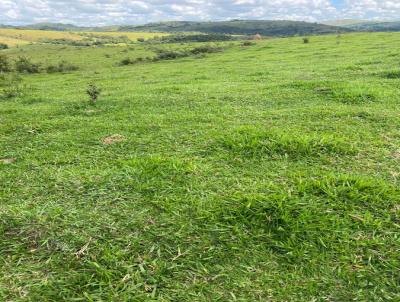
[{"x": 105, "y": 12}]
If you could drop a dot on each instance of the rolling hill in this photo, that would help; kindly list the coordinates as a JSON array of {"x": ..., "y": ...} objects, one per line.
[
  {"x": 241, "y": 27},
  {"x": 343, "y": 22},
  {"x": 376, "y": 26},
  {"x": 235, "y": 27}
]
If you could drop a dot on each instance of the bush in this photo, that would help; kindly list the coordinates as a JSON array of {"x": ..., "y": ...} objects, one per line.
[
  {"x": 140, "y": 40},
  {"x": 186, "y": 38},
  {"x": 170, "y": 54},
  {"x": 306, "y": 40},
  {"x": 205, "y": 49},
  {"x": 127, "y": 61},
  {"x": 248, "y": 43},
  {"x": 3, "y": 46},
  {"x": 63, "y": 66},
  {"x": 23, "y": 64},
  {"x": 5, "y": 65},
  {"x": 93, "y": 92},
  {"x": 11, "y": 86}
]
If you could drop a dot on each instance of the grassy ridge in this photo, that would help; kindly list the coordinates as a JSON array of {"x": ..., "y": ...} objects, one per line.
[
  {"x": 241, "y": 27},
  {"x": 13, "y": 37},
  {"x": 261, "y": 173}
]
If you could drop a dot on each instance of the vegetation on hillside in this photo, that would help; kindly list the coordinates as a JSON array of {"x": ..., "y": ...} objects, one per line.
[
  {"x": 241, "y": 27},
  {"x": 376, "y": 26},
  {"x": 235, "y": 27}
]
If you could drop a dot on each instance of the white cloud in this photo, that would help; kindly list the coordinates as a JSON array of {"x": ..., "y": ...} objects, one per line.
[{"x": 97, "y": 12}]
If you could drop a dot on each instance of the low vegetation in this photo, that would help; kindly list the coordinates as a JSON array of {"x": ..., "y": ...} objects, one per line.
[
  {"x": 5, "y": 64},
  {"x": 12, "y": 86},
  {"x": 25, "y": 65},
  {"x": 62, "y": 66},
  {"x": 187, "y": 38},
  {"x": 172, "y": 54},
  {"x": 93, "y": 92},
  {"x": 266, "y": 171}
]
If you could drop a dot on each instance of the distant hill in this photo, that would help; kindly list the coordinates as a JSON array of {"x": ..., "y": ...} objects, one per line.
[
  {"x": 52, "y": 26},
  {"x": 63, "y": 27},
  {"x": 234, "y": 27},
  {"x": 343, "y": 22},
  {"x": 240, "y": 27},
  {"x": 376, "y": 26}
]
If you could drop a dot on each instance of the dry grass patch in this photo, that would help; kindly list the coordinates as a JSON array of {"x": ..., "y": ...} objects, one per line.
[
  {"x": 113, "y": 139},
  {"x": 8, "y": 161},
  {"x": 37, "y": 35}
]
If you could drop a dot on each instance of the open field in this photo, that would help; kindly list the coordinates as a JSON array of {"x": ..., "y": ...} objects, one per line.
[
  {"x": 131, "y": 35},
  {"x": 267, "y": 172},
  {"x": 13, "y": 37}
]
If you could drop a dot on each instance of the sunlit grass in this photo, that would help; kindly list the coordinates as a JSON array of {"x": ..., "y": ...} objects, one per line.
[{"x": 268, "y": 172}]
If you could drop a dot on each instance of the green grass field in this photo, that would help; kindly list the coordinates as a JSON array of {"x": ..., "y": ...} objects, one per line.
[{"x": 260, "y": 173}]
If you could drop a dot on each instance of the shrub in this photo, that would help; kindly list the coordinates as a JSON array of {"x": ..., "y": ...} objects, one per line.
[
  {"x": 23, "y": 64},
  {"x": 248, "y": 43},
  {"x": 205, "y": 49},
  {"x": 140, "y": 40},
  {"x": 5, "y": 65},
  {"x": 185, "y": 38},
  {"x": 170, "y": 54},
  {"x": 11, "y": 86},
  {"x": 93, "y": 92},
  {"x": 127, "y": 61},
  {"x": 3, "y": 46},
  {"x": 306, "y": 40},
  {"x": 63, "y": 66}
]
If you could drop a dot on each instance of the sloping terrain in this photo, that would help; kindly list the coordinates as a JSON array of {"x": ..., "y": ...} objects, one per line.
[
  {"x": 241, "y": 27},
  {"x": 13, "y": 36},
  {"x": 376, "y": 26},
  {"x": 236, "y": 27},
  {"x": 264, "y": 171}
]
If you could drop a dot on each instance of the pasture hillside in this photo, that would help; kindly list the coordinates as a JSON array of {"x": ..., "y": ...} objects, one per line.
[
  {"x": 231, "y": 171},
  {"x": 14, "y": 37}
]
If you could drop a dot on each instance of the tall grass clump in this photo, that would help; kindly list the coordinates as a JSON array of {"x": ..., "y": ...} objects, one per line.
[
  {"x": 257, "y": 143},
  {"x": 392, "y": 74}
]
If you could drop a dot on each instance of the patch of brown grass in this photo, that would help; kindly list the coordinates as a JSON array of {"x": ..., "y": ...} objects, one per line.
[{"x": 113, "y": 139}]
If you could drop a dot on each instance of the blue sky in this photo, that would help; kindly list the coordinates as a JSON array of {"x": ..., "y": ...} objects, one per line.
[
  {"x": 104, "y": 12},
  {"x": 338, "y": 3}
]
